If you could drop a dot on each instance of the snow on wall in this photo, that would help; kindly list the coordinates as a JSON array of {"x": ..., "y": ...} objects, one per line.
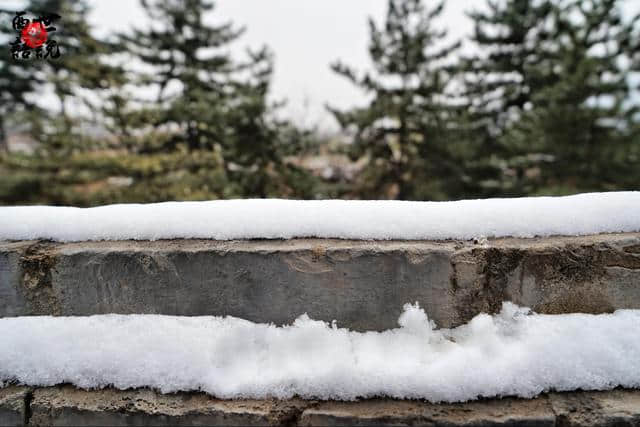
[
  {"x": 511, "y": 353},
  {"x": 283, "y": 219}
]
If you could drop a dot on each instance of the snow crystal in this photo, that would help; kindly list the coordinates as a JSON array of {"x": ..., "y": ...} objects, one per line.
[
  {"x": 283, "y": 219},
  {"x": 511, "y": 353}
]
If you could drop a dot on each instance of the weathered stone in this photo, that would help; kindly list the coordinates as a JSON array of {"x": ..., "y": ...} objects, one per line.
[
  {"x": 13, "y": 301},
  {"x": 607, "y": 409},
  {"x": 361, "y": 284},
  {"x": 13, "y": 405},
  {"x": 67, "y": 406},
  {"x": 554, "y": 275},
  {"x": 497, "y": 412}
]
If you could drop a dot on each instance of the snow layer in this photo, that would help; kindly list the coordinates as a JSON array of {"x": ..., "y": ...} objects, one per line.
[
  {"x": 511, "y": 353},
  {"x": 273, "y": 219}
]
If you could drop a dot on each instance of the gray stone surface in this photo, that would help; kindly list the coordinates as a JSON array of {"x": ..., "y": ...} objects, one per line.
[
  {"x": 500, "y": 412},
  {"x": 66, "y": 406},
  {"x": 13, "y": 301},
  {"x": 607, "y": 409},
  {"x": 13, "y": 405},
  {"x": 361, "y": 284}
]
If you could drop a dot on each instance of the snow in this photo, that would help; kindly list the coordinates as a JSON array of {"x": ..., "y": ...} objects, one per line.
[
  {"x": 510, "y": 353},
  {"x": 283, "y": 219}
]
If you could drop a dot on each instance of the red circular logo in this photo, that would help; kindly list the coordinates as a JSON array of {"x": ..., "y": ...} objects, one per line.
[{"x": 34, "y": 35}]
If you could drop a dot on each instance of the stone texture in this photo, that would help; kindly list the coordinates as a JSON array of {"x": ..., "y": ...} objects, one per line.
[
  {"x": 13, "y": 301},
  {"x": 591, "y": 274},
  {"x": 67, "y": 406},
  {"x": 13, "y": 402},
  {"x": 607, "y": 409},
  {"x": 498, "y": 412},
  {"x": 361, "y": 284}
]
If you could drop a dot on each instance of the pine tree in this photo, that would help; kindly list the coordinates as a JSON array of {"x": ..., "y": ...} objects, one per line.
[
  {"x": 18, "y": 79},
  {"x": 511, "y": 39},
  {"x": 407, "y": 130},
  {"x": 583, "y": 121},
  {"x": 549, "y": 97},
  {"x": 80, "y": 68},
  {"x": 515, "y": 40},
  {"x": 50, "y": 174},
  {"x": 208, "y": 102}
]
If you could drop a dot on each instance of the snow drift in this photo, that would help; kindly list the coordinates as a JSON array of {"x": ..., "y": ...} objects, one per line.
[
  {"x": 283, "y": 219},
  {"x": 511, "y": 353}
]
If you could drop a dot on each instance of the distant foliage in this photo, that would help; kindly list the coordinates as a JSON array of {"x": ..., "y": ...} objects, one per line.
[
  {"x": 545, "y": 106},
  {"x": 550, "y": 95},
  {"x": 209, "y": 102},
  {"x": 546, "y": 103},
  {"x": 408, "y": 131}
]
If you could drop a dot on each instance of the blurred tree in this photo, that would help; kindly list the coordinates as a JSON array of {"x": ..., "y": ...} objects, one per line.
[
  {"x": 408, "y": 130},
  {"x": 83, "y": 74},
  {"x": 210, "y": 133},
  {"x": 549, "y": 97},
  {"x": 515, "y": 40},
  {"x": 582, "y": 119},
  {"x": 209, "y": 101},
  {"x": 18, "y": 79},
  {"x": 78, "y": 79}
]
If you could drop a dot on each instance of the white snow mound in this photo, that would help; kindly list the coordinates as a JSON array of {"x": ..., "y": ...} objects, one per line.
[
  {"x": 511, "y": 353},
  {"x": 283, "y": 219}
]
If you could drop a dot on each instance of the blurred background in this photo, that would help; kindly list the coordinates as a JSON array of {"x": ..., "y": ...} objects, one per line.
[{"x": 412, "y": 100}]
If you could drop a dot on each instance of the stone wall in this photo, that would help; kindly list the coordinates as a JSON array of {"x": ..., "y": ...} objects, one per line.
[
  {"x": 361, "y": 284},
  {"x": 67, "y": 406}
]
